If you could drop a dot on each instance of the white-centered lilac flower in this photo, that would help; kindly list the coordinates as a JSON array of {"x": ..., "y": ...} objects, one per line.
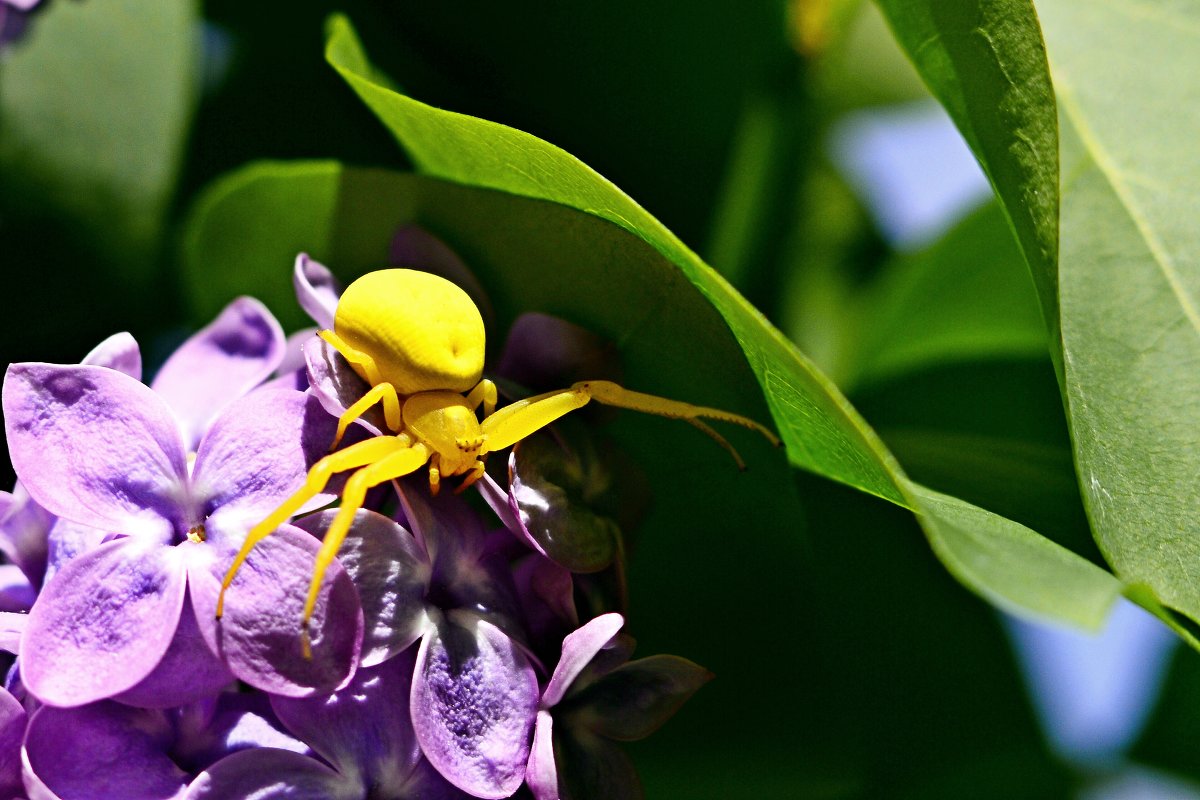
[
  {"x": 474, "y": 690},
  {"x": 363, "y": 746},
  {"x": 175, "y": 485},
  {"x": 594, "y": 699}
]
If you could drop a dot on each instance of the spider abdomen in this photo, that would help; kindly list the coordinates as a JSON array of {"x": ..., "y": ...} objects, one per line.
[{"x": 423, "y": 332}]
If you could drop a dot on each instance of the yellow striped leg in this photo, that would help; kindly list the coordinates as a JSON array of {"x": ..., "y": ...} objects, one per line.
[
  {"x": 354, "y": 456},
  {"x": 400, "y": 461}
]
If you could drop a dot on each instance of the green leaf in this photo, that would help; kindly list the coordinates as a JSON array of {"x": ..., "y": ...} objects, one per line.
[
  {"x": 821, "y": 430},
  {"x": 94, "y": 108},
  {"x": 1128, "y": 80},
  {"x": 985, "y": 61},
  {"x": 1005, "y": 560},
  {"x": 965, "y": 298}
]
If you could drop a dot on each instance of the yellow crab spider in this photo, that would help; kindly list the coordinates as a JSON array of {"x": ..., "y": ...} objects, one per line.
[{"x": 418, "y": 340}]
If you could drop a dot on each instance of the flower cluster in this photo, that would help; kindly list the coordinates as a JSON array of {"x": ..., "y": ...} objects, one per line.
[{"x": 462, "y": 646}]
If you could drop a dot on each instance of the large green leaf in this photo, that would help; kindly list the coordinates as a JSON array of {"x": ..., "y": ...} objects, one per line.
[
  {"x": 94, "y": 109},
  {"x": 822, "y": 431},
  {"x": 1128, "y": 81},
  {"x": 986, "y": 63}
]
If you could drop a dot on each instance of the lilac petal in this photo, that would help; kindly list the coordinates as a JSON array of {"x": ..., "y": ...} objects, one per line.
[
  {"x": 95, "y": 446},
  {"x": 13, "y": 720},
  {"x": 634, "y": 700},
  {"x": 577, "y": 650},
  {"x": 474, "y": 699},
  {"x": 16, "y": 592},
  {"x": 188, "y": 671},
  {"x": 498, "y": 500},
  {"x": 68, "y": 540},
  {"x": 120, "y": 352},
  {"x": 544, "y": 353},
  {"x": 364, "y": 729},
  {"x": 542, "y": 774},
  {"x": 208, "y": 731},
  {"x": 101, "y": 751},
  {"x": 554, "y": 491},
  {"x": 24, "y": 529},
  {"x": 12, "y": 626},
  {"x": 259, "y": 636},
  {"x": 391, "y": 573},
  {"x": 103, "y": 623},
  {"x": 258, "y": 454},
  {"x": 293, "y": 356},
  {"x": 416, "y": 248},
  {"x": 269, "y": 774},
  {"x": 236, "y": 352},
  {"x": 317, "y": 290},
  {"x": 337, "y": 386}
]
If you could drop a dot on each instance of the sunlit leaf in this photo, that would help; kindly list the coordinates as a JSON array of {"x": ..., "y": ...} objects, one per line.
[
  {"x": 1128, "y": 81},
  {"x": 94, "y": 109}
]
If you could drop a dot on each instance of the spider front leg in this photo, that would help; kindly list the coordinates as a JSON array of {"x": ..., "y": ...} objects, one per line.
[
  {"x": 400, "y": 461},
  {"x": 485, "y": 393},
  {"x": 358, "y": 455},
  {"x": 380, "y": 390},
  {"x": 514, "y": 422}
]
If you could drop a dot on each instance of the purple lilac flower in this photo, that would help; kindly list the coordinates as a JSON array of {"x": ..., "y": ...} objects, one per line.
[
  {"x": 134, "y": 617},
  {"x": 474, "y": 690},
  {"x": 110, "y": 750},
  {"x": 593, "y": 699},
  {"x": 362, "y": 741}
]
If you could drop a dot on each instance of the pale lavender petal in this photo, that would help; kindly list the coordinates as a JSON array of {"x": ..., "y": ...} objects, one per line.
[
  {"x": 259, "y": 636},
  {"x": 13, "y": 720},
  {"x": 68, "y": 540},
  {"x": 120, "y": 352},
  {"x": 258, "y": 454},
  {"x": 12, "y": 626},
  {"x": 103, "y": 623},
  {"x": 269, "y": 774},
  {"x": 474, "y": 700},
  {"x": 391, "y": 573},
  {"x": 416, "y": 248},
  {"x": 337, "y": 386},
  {"x": 634, "y": 700},
  {"x": 503, "y": 507},
  {"x": 317, "y": 290},
  {"x": 16, "y": 592},
  {"x": 542, "y": 773},
  {"x": 100, "y": 752},
  {"x": 577, "y": 650},
  {"x": 543, "y": 353},
  {"x": 364, "y": 729},
  {"x": 95, "y": 446},
  {"x": 188, "y": 671},
  {"x": 236, "y": 352},
  {"x": 24, "y": 529}
]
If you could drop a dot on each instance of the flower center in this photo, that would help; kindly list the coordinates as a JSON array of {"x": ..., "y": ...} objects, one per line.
[{"x": 196, "y": 533}]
